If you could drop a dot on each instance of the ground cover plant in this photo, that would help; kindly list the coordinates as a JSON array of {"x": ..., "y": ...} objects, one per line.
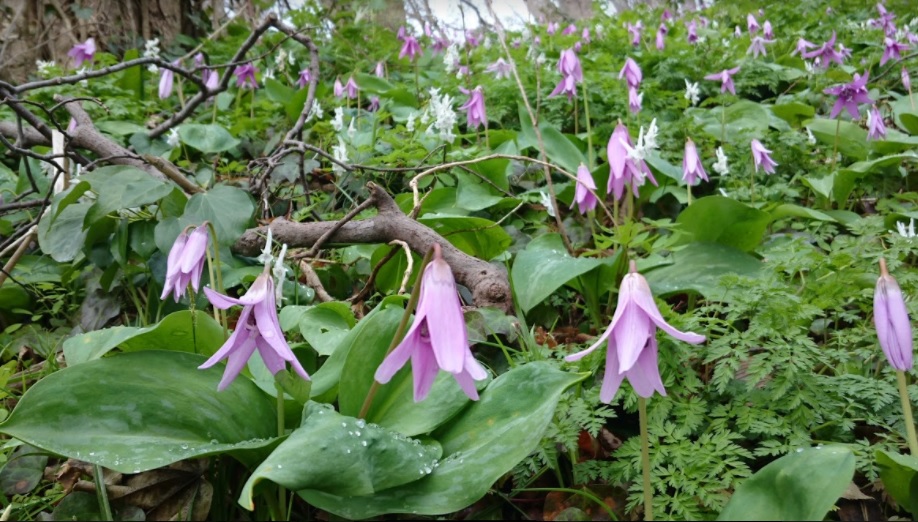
[{"x": 305, "y": 266}]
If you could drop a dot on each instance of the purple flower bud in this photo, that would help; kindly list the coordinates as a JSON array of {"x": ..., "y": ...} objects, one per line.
[
  {"x": 245, "y": 76},
  {"x": 303, "y": 80},
  {"x": 761, "y": 157},
  {"x": 475, "y": 108},
  {"x": 726, "y": 79},
  {"x": 890, "y": 317},
  {"x": 584, "y": 196},
  {"x": 692, "y": 169},
  {"x": 186, "y": 262},
  {"x": 83, "y": 52},
  {"x": 631, "y": 72},
  {"x": 876, "y": 129}
]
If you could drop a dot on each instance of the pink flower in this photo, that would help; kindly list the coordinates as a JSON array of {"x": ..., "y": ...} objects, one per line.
[
  {"x": 411, "y": 48},
  {"x": 380, "y": 70},
  {"x": 850, "y": 95},
  {"x": 166, "y": 78},
  {"x": 568, "y": 86},
  {"x": 767, "y": 31},
  {"x": 827, "y": 53},
  {"x": 761, "y": 158},
  {"x": 304, "y": 78},
  {"x": 475, "y": 108},
  {"x": 186, "y": 262},
  {"x": 338, "y": 88},
  {"x": 876, "y": 130},
  {"x": 440, "y": 44},
  {"x": 892, "y": 50},
  {"x": 82, "y": 52},
  {"x": 635, "y": 31},
  {"x": 257, "y": 328},
  {"x": 634, "y": 100},
  {"x": 552, "y": 28},
  {"x": 726, "y": 79},
  {"x": 661, "y": 32},
  {"x": 351, "y": 88},
  {"x": 758, "y": 46},
  {"x": 437, "y": 338},
  {"x": 751, "y": 23},
  {"x": 569, "y": 65},
  {"x": 569, "y": 30},
  {"x": 584, "y": 196},
  {"x": 890, "y": 317},
  {"x": 631, "y": 72},
  {"x": 692, "y": 32},
  {"x": 500, "y": 69},
  {"x": 802, "y": 46},
  {"x": 692, "y": 169},
  {"x": 585, "y": 35},
  {"x": 471, "y": 39},
  {"x": 374, "y": 104},
  {"x": 245, "y": 76},
  {"x": 632, "y": 341},
  {"x": 623, "y": 168},
  {"x": 211, "y": 79},
  {"x": 906, "y": 80}
]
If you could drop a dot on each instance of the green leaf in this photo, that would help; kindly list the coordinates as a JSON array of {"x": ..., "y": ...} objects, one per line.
[
  {"x": 65, "y": 239},
  {"x": 341, "y": 455},
  {"x": 846, "y": 178},
  {"x": 560, "y": 149},
  {"x": 899, "y": 473},
  {"x": 486, "y": 441},
  {"x": 207, "y": 138},
  {"x": 792, "y": 210},
  {"x": 803, "y": 485},
  {"x": 371, "y": 84},
  {"x": 121, "y": 186},
  {"x": 852, "y": 139},
  {"x": 475, "y": 236},
  {"x": 23, "y": 471},
  {"x": 131, "y": 79},
  {"x": 183, "y": 331},
  {"x": 543, "y": 267},
  {"x": 119, "y": 128},
  {"x": 699, "y": 267},
  {"x": 229, "y": 208},
  {"x": 145, "y": 410},
  {"x": 739, "y": 122},
  {"x": 278, "y": 92},
  {"x": 793, "y": 112},
  {"x": 323, "y": 326},
  {"x": 716, "y": 219}
]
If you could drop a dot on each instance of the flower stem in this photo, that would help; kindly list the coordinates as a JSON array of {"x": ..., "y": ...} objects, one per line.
[
  {"x": 102, "y": 493},
  {"x": 645, "y": 458},
  {"x": 215, "y": 269},
  {"x": 399, "y": 332},
  {"x": 835, "y": 148},
  {"x": 907, "y": 411},
  {"x": 586, "y": 117},
  {"x": 281, "y": 430},
  {"x": 752, "y": 181}
]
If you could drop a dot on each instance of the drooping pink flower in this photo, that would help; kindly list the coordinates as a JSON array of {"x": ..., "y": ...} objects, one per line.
[
  {"x": 906, "y": 80},
  {"x": 623, "y": 168},
  {"x": 351, "y": 88},
  {"x": 692, "y": 169},
  {"x": 584, "y": 196},
  {"x": 890, "y": 317},
  {"x": 635, "y": 31},
  {"x": 475, "y": 108},
  {"x": 305, "y": 76},
  {"x": 500, "y": 69},
  {"x": 380, "y": 70},
  {"x": 758, "y": 46},
  {"x": 876, "y": 129},
  {"x": 472, "y": 39},
  {"x": 211, "y": 79},
  {"x": 437, "y": 339},
  {"x": 83, "y": 52},
  {"x": 428, "y": 32},
  {"x": 551, "y": 28},
  {"x": 885, "y": 21},
  {"x": 567, "y": 85},
  {"x": 666, "y": 15},
  {"x": 585, "y": 35},
  {"x": 635, "y": 99},
  {"x": 569, "y": 30},
  {"x": 632, "y": 341},
  {"x": 374, "y": 104},
  {"x": 692, "y": 32},
  {"x": 726, "y": 79},
  {"x": 752, "y": 24},
  {"x": 767, "y": 31},
  {"x": 802, "y": 46},
  {"x": 631, "y": 72},
  {"x": 338, "y": 88},
  {"x": 661, "y": 33},
  {"x": 166, "y": 79},
  {"x": 411, "y": 48},
  {"x": 440, "y": 44},
  {"x": 257, "y": 328},
  {"x": 850, "y": 95},
  {"x": 186, "y": 262},
  {"x": 892, "y": 50},
  {"x": 826, "y": 53},
  {"x": 569, "y": 65},
  {"x": 245, "y": 76},
  {"x": 761, "y": 157}
]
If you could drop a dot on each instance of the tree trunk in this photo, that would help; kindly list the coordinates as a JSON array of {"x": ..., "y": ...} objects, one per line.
[{"x": 33, "y": 30}]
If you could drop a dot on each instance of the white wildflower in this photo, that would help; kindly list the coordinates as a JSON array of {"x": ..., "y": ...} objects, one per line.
[
  {"x": 906, "y": 232},
  {"x": 315, "y": 111},
  {"x": 44, "y": 68},
  {"x": 812, "y": 139},
  {"x": 692, "y": 92},
  {"x": 809, "y": 67},
  {"x": 266, "y": 256},
  {"x": 151, "y": 50},
  {"x": 598, "y": 29},
  {"x": 720, "y": 166},
  {"x": 269, "y": 73},
  {"x": 339, "y": 152},
  {"x": 351, "y": 131},
  {"x": 541, "y": 59},
  {"x": 337, "y": 122},
  {"x": 444, "y": 116},
  {"x": 280, "y": 274},
  {"x": 280, "y": 60},
  {"x": 546, "y": 201},
  {"x": 410, "y": 124},
  {"x": 725, "y": 42},
  {"x": 451, "y": 58},
  {"x": 172, "y": 139}
]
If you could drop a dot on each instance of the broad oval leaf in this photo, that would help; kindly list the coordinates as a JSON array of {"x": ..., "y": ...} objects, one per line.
[
  {"x": 517, "y": 407},
  {"x": 716, "y": 219},
  {"x": 207, "y": 138},
  {"x": 699, "y": 267},
  {"x": 852, "y": 139},
  {"x": 543, "y": 267},
  {"x": 803, "y": 485},
  {"x": 139, "y": 411}
]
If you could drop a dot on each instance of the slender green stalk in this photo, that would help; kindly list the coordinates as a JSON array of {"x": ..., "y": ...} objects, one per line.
[
  {"x": 586, "y": 116},
  {"x": 102, "y": 493},
  {"x": 723, "y": 122},
  {"x": 402, "y": 326},
  {"x": 835, "y": 148},
  {"x": 752, "y": 182},
  {"x": 907, "y": 411},
  {"x": 645, "y": 459},
  {"x": 689, "y": 187},
  {"x": 217, "y": 270},
  {"x": 281, "y": 430}
]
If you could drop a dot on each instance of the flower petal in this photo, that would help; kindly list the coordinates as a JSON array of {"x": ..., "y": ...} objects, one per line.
[
  {"x": 424, "y": 367},
  {"x": 235, "y": 362},
  {"x": 644, "y": 376},
  {"x": 467, "y": 384},
  {"x": 239, "y": 336},
  {"x": 222, "y": 301},
  {"x": 644, "y": 299},
  {"x": 399, "y": 356},
  {"x": 445, "y": 322},
  {"x": 612, "y": 379},
  {"x": 194, "y": 249},
  {"x": 631, "y": 334}
]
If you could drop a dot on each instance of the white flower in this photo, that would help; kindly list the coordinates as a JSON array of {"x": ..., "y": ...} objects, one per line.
[
  {"x": 339, "y": 152},
  {"x": 692, "y": 92},
  {"x": 598, "y": 29},
  {"x": 410, "y": 124},
  {"x": 809, "y": 67},
  {"x": 280, "y": 60},
  {"x": 540, "y": 60},
  {"x": 266, "y": 256},
  {"x": 269, "y": 73},
  {"x": 444, "y": 116},
  {"x": 337, "y": 122},
  {"x": 725, "y": 42},
  {"x": 546, "y": 201},
  {"x": 451, "y": 57},
  {"x": 908, "y": 232},
  {"x": 280, "y": 274},
  {"x": 315, "y": 111},
  {"x": 720, "y": 166},
  {"x": 44, "y": 68},
  {"x": 151, "y": 48},
  {"x": 83, "y": 82},
  {"x": 172, "y": 139},
  {"x": 650, "y": 139},
  {"x": 812, "y": 139},
  {"x": 351, "y": 131}
]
